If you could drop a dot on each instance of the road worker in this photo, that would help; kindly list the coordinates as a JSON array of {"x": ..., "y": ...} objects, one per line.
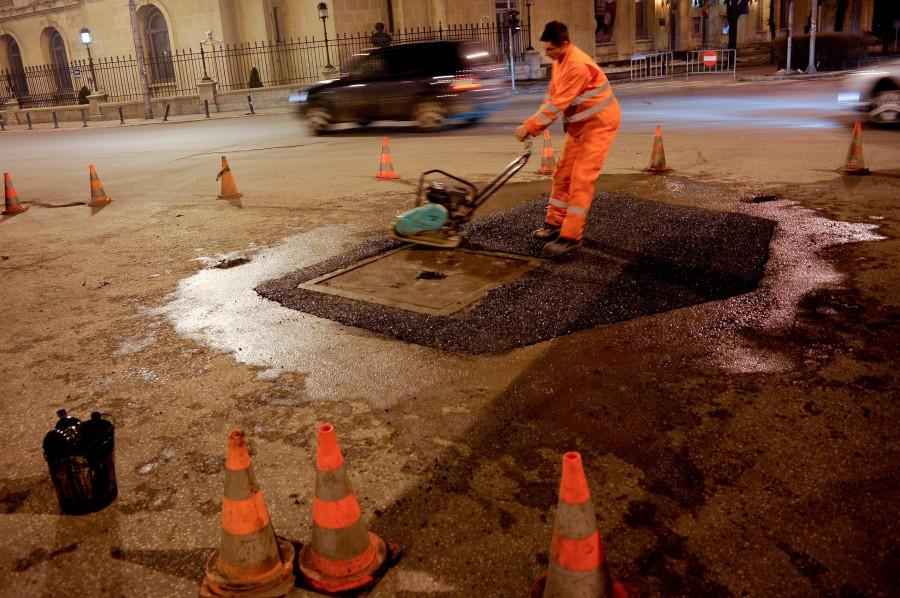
[{"x": 580, "y": 93}]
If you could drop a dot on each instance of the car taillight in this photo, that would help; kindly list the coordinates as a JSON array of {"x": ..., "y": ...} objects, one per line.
[{"x": 465, "y": 84}]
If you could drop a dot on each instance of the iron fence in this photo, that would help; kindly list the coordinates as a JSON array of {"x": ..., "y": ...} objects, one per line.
[
  {"x": 700, "y": 62},
  {"x": 284, "y": 62}
]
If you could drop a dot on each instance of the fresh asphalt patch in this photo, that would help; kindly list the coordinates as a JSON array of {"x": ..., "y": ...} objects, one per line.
[{"x": 638, "y": 258}]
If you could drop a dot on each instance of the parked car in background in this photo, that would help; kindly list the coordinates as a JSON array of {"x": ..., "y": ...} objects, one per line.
[
  {"x": 431, "y": 83},
  {"x": 876, "y": 91}
]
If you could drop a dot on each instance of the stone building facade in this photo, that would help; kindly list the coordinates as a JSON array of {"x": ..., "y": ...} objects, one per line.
[{"x": 36, "y": 32}]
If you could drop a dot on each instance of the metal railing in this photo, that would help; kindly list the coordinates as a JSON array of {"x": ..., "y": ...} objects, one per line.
[
  {"x": 705, "y": 62},
  {"x": 651, "y": 66},
  {"x": 286, "y": 62}
]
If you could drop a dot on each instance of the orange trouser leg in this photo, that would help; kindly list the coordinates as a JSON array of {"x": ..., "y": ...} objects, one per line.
[
  {"x": 592, "y": 149},
  {"x": 562, "y": 177}
]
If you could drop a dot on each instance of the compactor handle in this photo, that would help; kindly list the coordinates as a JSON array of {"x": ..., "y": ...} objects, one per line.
[{"x": 509, "y": 172}]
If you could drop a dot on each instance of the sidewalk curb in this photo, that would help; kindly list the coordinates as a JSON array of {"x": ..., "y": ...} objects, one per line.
[
  {"x": 795, "y": 77},
  {"x": 114, "y": 124}
]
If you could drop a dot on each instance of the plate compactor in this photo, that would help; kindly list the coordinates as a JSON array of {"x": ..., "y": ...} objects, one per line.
[{"x": 444, "y": 205}]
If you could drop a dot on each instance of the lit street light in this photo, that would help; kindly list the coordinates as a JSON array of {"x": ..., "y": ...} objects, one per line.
[{"x": 86, "y": 39}]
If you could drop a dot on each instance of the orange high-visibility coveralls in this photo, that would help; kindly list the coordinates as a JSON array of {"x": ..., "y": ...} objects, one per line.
[{"x": 580, "y": 92}]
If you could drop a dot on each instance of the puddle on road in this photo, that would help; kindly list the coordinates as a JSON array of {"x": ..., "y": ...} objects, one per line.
[
  {"x": 794, "y": 270},
  {"x": 221, "y": 309}
]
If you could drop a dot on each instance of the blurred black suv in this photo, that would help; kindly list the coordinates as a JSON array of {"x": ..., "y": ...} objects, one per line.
[{"x": 430, "y": 83}]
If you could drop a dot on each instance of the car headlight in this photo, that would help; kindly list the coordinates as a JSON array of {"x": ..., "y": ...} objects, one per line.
[
  {"x": 299, "y": 97},
  {"x": 848, "y": 97}
]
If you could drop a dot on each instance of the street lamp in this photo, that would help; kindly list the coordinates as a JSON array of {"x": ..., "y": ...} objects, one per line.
[
  {"x": 86, "y": 39},
  {"x": 528, "y": 4},
  {"x": 323, "y": 14}
]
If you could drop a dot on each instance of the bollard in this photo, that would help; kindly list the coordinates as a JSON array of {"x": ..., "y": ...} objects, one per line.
[
  {"x": 121, "y": 116},
  {"x": 83, "y": 118},
  {"x": 2, "y": 124},
  {"x": 166, "y": 115},
  {"x": 250, "y": 102},
  {"x": 55, "y": 122},
  {"x": 28, "y": 118},
  {"x": 206, "y": 107}
]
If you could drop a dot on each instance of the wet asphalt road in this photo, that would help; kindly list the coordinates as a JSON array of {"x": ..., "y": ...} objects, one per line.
[{"x": 741, "y": 446}]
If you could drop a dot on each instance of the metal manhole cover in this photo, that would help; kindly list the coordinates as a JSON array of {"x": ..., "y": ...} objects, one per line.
[{"x": 429, "y": 281}]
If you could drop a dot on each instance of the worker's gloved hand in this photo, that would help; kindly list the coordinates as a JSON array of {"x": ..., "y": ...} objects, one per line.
[{"x": 522, "y": 133}]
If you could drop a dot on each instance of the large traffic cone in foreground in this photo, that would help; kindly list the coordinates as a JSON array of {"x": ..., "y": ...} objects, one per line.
[
  {"x": 343, "y": 554},
  {"x": 251, "y": 559},
  {"x": 12, "y": 198},
  {"x": 98, "y": 195},
  {"x": 547, "y": 159},
  {"x": 229, "y": 188},
  {"x": 854, "y": 164},
  {"x": 386, "y": 167},
  {"x": 658, "y": 155},
  {"x": 578, "y": 567}
]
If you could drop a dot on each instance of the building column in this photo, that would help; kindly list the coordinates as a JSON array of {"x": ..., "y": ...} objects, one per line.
[
  {"x": 623, "y": 35},
  {"x": 685, "y": 24},
  {"x": 437, "y": 12}
]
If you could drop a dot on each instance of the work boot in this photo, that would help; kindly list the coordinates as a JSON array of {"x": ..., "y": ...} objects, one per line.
[
  {"x": 561, "y": 246},
  {"x": 548, "y": 232}
]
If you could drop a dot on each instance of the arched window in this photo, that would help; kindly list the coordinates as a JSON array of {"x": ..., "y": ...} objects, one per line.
[
  {"x": 17, "y": 80},
  {"x": 60, "y": 61},
  {"x": 159, "y": 51}
]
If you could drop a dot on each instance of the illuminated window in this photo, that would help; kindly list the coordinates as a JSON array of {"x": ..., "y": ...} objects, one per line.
[{"x": 605, "y": 18}]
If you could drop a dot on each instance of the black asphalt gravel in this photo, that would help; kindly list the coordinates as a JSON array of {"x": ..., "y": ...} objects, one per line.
[{"x": 638, "y": 257}]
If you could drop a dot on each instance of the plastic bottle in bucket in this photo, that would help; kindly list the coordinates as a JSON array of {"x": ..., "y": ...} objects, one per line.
[{"x": 81, "y": 459}]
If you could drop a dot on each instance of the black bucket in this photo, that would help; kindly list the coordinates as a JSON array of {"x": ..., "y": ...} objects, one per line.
[{"x": 82, "y": 464}]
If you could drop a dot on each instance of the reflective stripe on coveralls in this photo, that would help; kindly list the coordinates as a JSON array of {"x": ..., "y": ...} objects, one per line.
[
  {"x": 576, "y": 171},
  {"x": 580, "y": 92}
]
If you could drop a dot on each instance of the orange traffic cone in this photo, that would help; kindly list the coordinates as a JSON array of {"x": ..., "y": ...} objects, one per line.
[
  {"x": 251, "y": 559},
  {"x": 577, "y": 562},
  {"x": 229, "y": 188},
  {"x": 12, "y": 198},
  {"x": 854, "y": 163},
  {"x": 386, "y": 168},
  {"x": 343, "y": 554},
  {"x": 547, "y": 159},
  {"x": 658, "y": 155},
  {"x": 98, "y": 195}
]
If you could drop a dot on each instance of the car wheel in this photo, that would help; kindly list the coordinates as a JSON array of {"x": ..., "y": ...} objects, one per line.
[
  {"x": 430, "y": 115},
  {"x": 318, "y": 119},
  {"x": 885, "y": 106}
]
